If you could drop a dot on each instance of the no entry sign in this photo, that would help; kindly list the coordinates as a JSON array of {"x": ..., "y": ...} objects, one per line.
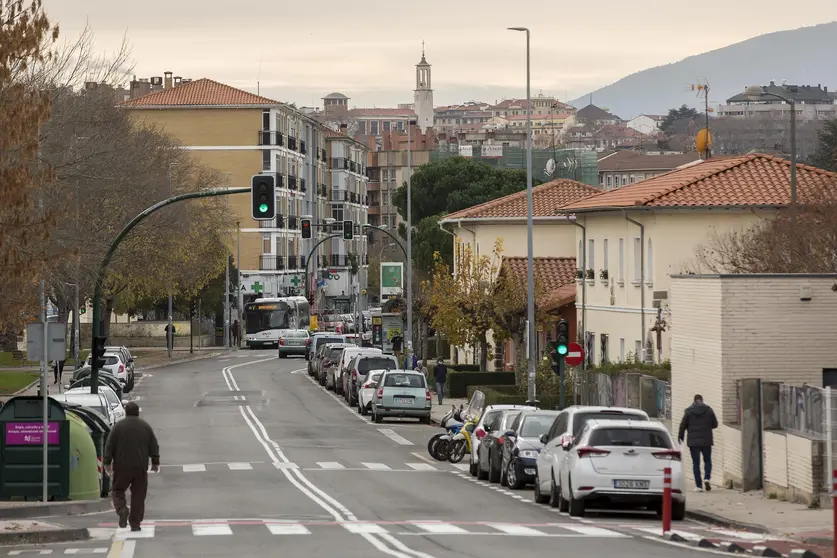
[{"x": 575, "y": 354}]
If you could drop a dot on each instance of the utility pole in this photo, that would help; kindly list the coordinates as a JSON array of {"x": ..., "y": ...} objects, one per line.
[
  {"x": 409, "y": 338},
  {"x": 170, "y": 334},
  {"x": 238, "y": 280},
  {"x": 44, "y": 388},
  {"x": 227, "y": 313}
]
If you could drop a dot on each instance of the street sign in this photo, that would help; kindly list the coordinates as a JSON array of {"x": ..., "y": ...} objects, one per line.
[
  {"x": 575, "y": 354},
  {"x": 57, "y": 347}
]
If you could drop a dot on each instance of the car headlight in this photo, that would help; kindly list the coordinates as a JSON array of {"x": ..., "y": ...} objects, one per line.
[{"x": 531, "y": 454}]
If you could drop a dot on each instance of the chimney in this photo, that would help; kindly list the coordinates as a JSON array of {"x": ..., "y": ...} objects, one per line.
[
  {"x": 177, "y": 80},
  {"x": 90, "y": 85},
  {"x": 167, "y": 80}
]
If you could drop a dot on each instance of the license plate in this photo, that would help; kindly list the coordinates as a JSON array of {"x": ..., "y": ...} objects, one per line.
[
  {"x": 632, "y": 484},
  {"x": 403, "y": 401}
]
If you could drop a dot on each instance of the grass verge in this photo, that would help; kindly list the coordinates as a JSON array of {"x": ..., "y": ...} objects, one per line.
[{"x": 15, "y": 380}]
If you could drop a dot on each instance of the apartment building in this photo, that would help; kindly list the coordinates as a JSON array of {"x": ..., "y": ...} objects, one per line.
[
  {"x": 241, "y": 134},
  {"x": 812, "y": 103}
]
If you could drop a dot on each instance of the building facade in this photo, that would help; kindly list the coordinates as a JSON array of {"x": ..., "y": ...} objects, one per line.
[{"x": 812, "y": 103}]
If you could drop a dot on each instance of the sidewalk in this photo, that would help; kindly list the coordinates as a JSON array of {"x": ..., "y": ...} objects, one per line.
[
  {"x": 37, "y": 532},
  {"x": 439, "y": 411}
]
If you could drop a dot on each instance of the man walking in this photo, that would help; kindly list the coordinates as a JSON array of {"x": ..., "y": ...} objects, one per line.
[
  {"x": 699, "y": 421},
  {"x": 235, "y": 334},
  {"x": 440, "y": 374},
  {"x": 130, "y": 445}
]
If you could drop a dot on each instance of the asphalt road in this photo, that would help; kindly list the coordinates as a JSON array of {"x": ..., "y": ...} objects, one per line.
[{"x": 260, "y": 461}]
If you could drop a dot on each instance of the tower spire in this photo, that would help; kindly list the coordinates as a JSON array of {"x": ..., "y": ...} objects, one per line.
[{"x": 422, "y": 48}]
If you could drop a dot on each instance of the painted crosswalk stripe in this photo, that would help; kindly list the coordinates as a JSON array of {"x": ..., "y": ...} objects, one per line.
[
  {"x": 146, "y": 533},
  {"x": 329, "y": 465},
  {"x": 422, "y": 466},
  {"x": 198, "y": 468},
  {"x": 397, "y": 438},
  {"x": 440, "y": 528},
  {"x": 77, "y": 551},
  {"x": 462, "y": 466},
  {"x": 240, "y": 466},
  {"x": 377, "y": 466},
  {"x": 364, "y": 529},
  {"x": 593, "y": 531},
  {"x": 658, "y": 531},
  {"x": 211, "y": 529},
  {"x": 287, "y": 529},
  {"x": 518, "y": 530}
]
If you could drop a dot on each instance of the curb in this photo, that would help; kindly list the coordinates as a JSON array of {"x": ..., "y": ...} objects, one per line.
[
  {"x": 27, "y": 388},
  {"x": 179, "y": 361},
  {"x": 52, "y": 509},
  {"x": 721, "y": 521},
  {"x": 733, "y": 548},
  {"x": 48, "y": 536}
]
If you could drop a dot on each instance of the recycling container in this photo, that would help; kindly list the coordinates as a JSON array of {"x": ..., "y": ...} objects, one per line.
[{"x": 84, "y": 466}]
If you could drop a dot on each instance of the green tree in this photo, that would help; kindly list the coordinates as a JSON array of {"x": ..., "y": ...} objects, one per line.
[
  {"x": 825, "y": 156},
  {"x": 676, "y": 115},
  {"x": 429, "y": 241}
]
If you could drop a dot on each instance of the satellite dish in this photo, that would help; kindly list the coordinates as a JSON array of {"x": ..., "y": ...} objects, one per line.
[{"x": 550, "y": 166}]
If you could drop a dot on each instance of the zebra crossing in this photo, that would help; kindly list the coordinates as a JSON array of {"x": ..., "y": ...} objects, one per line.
[{"x": 240, "y": 467}]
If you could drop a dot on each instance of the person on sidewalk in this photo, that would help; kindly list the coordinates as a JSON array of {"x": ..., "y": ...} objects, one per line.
[
  {"x": 699, "y": 421},
  {"x": 440, "y": 374},
  {"x": 235, "y": 333},
  {"x": 130, "y": 445}
]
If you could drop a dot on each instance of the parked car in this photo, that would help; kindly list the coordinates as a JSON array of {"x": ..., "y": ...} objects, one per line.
[
  {"x": 619, "y": 462},
  {"x": 128, "y": 360},
  {"x": 490, "y": 450},
  {"x": 521, "y": 445},
  {"x": 341, "y": 379},
  {"x": 81, "y": 378},
  {"x": 359, "y": 367},
  {"x": 367, "y": 391},
  {"x": 489, "y": 415},
  {"x": 317, "y": 340},
  {"x": 332, "y": 355},
  {"x": 402, "y": 393},
  {"x": 293, "y": 342},
  {"x": 117, "y": 364},
  {"x": 568, "y": 425},
  {"x": 96, "y": 402},
  {"x": 116, "y": 405}
]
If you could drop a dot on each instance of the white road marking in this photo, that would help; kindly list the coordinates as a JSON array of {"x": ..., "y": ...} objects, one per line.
[
  {"x": 397, "y": 438},
  {"x": 19, "y": 552},
  {"x": 592, "y": 531},
  {"x": 376, "y": 466},
  {"x": 211, "y": 529},
  {"x": 146, "y": 533},
  {"x": 85, "y": 551},
  {"x": 364, "y": 528},
  {"x": 440, "y": 528},
  {"x": 742, "y": 535},
  {"x": 286, "y": 466},
  {"x": 424, "y": 457},
  {"x": 197, "y": 468},
  {"x": 462, "y": 466},
  {"x": 330, "y": 465},
  {"x": 287, "y": 529},
  {"x": 422, "y": 466},
  {"x": 240, "y": 466},
  {"x": 517, "y": 530}
]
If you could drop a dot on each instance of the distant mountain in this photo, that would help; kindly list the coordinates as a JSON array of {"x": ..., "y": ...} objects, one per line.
[{"x": 802, "y": 56}]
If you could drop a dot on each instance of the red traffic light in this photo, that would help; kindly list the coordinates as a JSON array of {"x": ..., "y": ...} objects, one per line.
[{"x": 306, "y": 228}]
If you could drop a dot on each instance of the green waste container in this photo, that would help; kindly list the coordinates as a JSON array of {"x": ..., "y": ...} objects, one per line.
[
  {"x": 84, "y": 467},
  {"x": 99, "y": 431}
]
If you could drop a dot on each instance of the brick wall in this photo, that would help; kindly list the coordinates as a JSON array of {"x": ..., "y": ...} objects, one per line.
[
  {"x": 775, "y": 451},
  {"x": 728, "y": 440}
]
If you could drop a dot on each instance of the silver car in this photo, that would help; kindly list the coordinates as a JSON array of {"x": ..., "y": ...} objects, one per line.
[
  {"x": 293, "y": 342},
  {"x": 402, "y": 393}
]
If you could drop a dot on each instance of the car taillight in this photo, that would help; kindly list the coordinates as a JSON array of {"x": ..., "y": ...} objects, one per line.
[
  {"x": 326, "y": 363},
  {"x": 381, "y": 393},
  {"x": 281, "y": 341},
  {"x": 670, "y": 455},
  {"x": 500, "y": 440},
  {"x": 307, "y": 342},
  {"x": 592, "y": 452},
  {"x": 480, "y": 433},
  {"x": 121, "y": 369},
  {"x": 354, "y": 374},
  {"x": 427, "y": 395}
]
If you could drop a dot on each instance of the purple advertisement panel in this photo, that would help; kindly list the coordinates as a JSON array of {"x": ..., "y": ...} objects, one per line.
[{"x": 30, "y": 433}]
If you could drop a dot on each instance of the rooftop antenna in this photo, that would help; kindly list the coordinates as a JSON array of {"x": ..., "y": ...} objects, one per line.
[
  {"x": 422, "y": 48},
  {"x": 259, "y": 76}
]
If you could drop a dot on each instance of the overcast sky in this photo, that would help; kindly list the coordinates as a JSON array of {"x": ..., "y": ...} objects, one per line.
[{"x": 367, "y": 49}]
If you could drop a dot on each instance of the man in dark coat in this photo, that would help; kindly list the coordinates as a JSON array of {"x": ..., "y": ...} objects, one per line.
[
  {"x": 440, "y": 374},
  {"x": 130, "y": 445},
  {"x": 698, "y": 422}
]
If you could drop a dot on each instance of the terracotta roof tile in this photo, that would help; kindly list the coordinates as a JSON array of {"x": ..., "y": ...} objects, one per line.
[
  {"x": 555, "y": 275},
  {"x": 748, "y": 180},
  {"x": 202, "y": 92},
  {"x": 633, "y": 161},
  {"x": 546, "y": 198}
]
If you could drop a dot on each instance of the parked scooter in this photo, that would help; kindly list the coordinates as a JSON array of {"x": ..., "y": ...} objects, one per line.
[
  {"x": 437, "y": 446},
  {"x": 461, "y": 442}
]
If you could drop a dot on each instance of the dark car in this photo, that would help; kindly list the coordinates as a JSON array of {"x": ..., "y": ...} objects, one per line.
[
  {"x": 490, "y": 451},
  {"x": 521, "y": 445}
]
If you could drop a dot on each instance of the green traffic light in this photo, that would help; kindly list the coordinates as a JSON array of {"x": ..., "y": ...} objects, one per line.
[
  {"x": 263, "y": 208},
  {"x": 562, "y": 349}
]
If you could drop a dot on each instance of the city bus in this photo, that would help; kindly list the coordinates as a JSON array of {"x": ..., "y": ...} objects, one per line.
[{"x": 265, "y": 318}]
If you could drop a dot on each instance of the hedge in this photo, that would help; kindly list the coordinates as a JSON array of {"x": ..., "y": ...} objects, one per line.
[
  {"x": 458, "y": 381},
  {"x": 494, "y": 397},
  {"x": 464, "y": 367}
]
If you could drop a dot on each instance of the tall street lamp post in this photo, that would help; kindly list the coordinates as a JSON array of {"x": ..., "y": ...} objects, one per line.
[{"x": 530, "y": 268}]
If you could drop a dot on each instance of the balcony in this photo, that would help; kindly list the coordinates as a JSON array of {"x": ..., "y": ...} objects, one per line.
[
  {"x": 269, "y": 262},
  {"x": 293, "y": 222},
  {"x": 291, "y": 183},
  {"x": 266, "y": 137},
  {"x": 280, "y": 180},
  {"x": 324, "y": 261},
  {"x": 292, "y": 143},
  {"x": 339, "y": 196},
  {"x": 345, "y": 164},
  {"x": 302, "y": 148},
  {"x": 302, "y": 185},
  {"x": 323, "y": 157},
  {"x": 323, "y": 190},
  {"x": 296, "y": 262}
]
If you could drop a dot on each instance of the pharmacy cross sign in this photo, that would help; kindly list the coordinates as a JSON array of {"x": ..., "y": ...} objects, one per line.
[
  {"x": 296, "y": 281},
  {"x": 257, "y": 287}
]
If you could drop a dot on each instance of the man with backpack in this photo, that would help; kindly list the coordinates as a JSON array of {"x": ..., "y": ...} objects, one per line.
[{"x": 440, "y": 374}]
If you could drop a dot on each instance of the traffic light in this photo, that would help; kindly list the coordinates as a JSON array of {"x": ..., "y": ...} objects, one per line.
[
  {"x": 306, "y": 228},
  {"x": 98, "y": 353},
  {"x": 348, "y": 230},
  {"x": 263, "y": 197},
  {"x": 563, "y": 338}
]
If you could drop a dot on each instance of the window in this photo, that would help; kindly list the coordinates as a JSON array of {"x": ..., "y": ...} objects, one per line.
[
  {"x": 361, "y": 127},
  {"x": 637, "y": 259},
  {"x": 580, "y": 420},
  {"x": 266, "y": 244},
  {"x": 621, "y": 259},
  {"x": 604, "y": 340},
  {"x": 604, "y": 254},
  {"x": 622, "y": 349},
  {"x": 591, "y": 254},
  {"x": 492, "y": 420},
  {"x": 580, "y": 259},
  {"x": 535, "y": 426},
  {"x": 404, "y": 380},
  {"x": 384, "y": 198},
  {"x": 630, "y": 437},
  {"x": 386, "y": 126},
  {"x": 266, "y": 160},
  {"x": 373, "y": 127},
  {"x": 649, "y": 259},
  {"x": 638, "y": 351},
  {"x": 337, "y": 212},
  {"x": 266, "y": 119}
]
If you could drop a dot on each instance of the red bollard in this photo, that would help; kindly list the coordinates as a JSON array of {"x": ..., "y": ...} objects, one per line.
[
  {"x": 834, "y": 505},
  {"x": 667, "y": 500}
]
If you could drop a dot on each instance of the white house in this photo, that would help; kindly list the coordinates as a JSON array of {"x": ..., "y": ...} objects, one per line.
[{"x": 646, "y": 123}]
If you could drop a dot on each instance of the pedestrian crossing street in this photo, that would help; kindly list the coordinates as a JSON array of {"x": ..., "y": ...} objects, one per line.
[{"x": 411, "y": 467}]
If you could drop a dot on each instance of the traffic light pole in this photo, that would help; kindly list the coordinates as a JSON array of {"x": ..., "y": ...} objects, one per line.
[
  {"x": 392, "y": 236},
  {"x": 308, "y": 260},
  {"x": 100, "y": 278}
]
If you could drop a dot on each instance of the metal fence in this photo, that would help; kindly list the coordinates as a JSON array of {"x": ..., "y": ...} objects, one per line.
[{"x": 632, "y": 390}]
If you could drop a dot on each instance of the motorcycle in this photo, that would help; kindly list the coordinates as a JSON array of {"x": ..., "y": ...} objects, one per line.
[
  {"x": 461, "y": 442},
  {"x": 437, "y": 446}
]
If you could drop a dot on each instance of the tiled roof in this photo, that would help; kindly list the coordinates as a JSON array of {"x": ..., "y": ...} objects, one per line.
[
  {"x": 381, "y": 112},
  {"x": 545, "y": 199},
  {"x": 634, "y": 161},
  {"x": 747, "y": 180},
  {"x": 556, "y": 276},
  {"x": 592, "y": 112},
  {"x": 202, "y": 92}
]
